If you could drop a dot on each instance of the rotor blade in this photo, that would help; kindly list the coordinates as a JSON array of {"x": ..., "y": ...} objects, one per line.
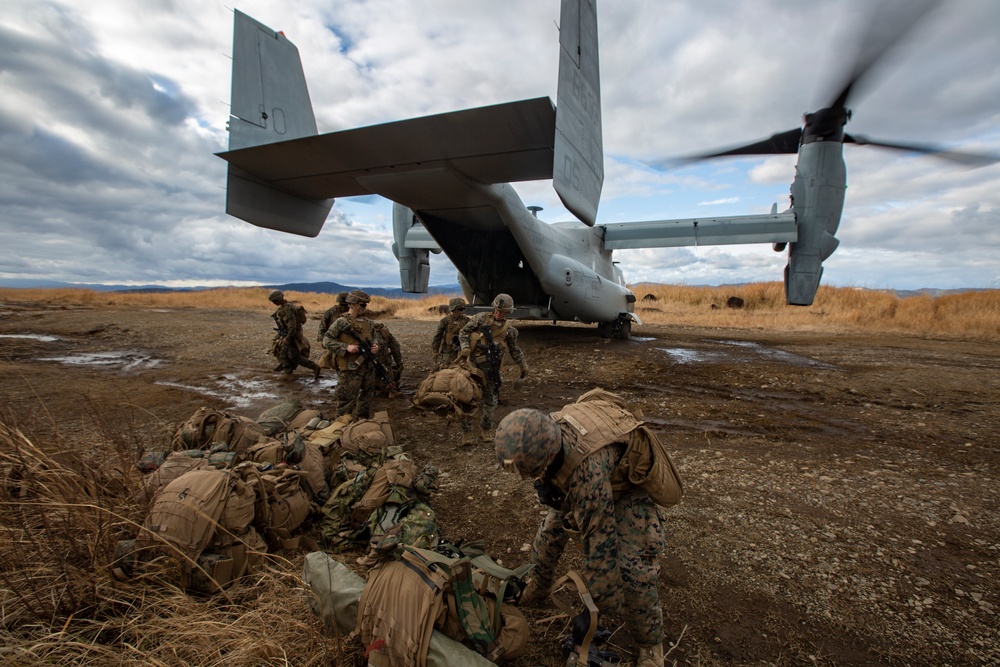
[
  {"x": 886, "y": 27},
  {"x": 781, "y": 143},
  {"x": 959, "y": 157}
]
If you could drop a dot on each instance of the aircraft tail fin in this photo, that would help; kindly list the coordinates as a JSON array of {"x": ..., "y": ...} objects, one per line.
[
  {"x": 270, "y": 103},
  {"x": 578, "y": 165},
  {"x": 270, "y": 100}
]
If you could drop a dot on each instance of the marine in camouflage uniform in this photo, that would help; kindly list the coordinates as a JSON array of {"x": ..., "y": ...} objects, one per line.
[
  {"x": 620, "y": 534},
  {"x": 289, "y": 347},
  {"x": 445, "y": 344},
  {"x": 356, "y": 381},
  {"x": 331, "y": 315},
  {"x": 474, "y": 342},
  {"x": 391, "y": 356}
]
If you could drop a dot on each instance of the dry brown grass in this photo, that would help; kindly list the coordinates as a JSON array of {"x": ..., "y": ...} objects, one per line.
[
  {"x": 61, "y": 516},
  {"x": 972, "y": 315}
]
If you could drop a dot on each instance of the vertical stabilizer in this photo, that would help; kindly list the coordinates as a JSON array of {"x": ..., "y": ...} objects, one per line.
[
  {"x": 578, "y": 169},
  {"x": 270, "y": 99},
  {"x": 270, "y": 103}
]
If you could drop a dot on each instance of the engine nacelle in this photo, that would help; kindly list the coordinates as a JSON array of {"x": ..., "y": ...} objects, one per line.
[
  {"x": 414, "y": 263},
  {"x": 818, "y": 201}
]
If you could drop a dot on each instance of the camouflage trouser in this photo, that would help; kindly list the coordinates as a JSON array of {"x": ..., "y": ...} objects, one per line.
[
  {"x": 354, "y": 392},
  {"x": 491, "y": 396},
  {"x": 446, "y": 358},
  {"x": 289, "y": 358},
  {"x": 640, "y": 541}
]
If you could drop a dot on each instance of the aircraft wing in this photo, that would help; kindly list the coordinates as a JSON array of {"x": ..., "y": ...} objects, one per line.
[
  {"x": 770, "y": 228},
  {"x": 493, "y": 144}
]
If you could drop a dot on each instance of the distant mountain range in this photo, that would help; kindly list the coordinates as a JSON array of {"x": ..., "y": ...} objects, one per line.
[
  {"x": 318, "y": 288},
  {"x": 387, "y": 292}
]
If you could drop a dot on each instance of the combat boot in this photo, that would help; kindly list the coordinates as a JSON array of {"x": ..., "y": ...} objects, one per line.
[
  {"x": 650, "y": 656},
  {"x": 467, "y": 438},
  {"x": 316, "y": 373},
  {"x": 534, "y": 593}
]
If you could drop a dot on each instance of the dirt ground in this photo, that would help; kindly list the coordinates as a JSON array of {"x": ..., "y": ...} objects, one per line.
[{"x": 841, "y": 500}]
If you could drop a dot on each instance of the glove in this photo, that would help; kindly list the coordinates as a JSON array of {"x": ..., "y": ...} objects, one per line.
[{"x": 464, "y": 354}]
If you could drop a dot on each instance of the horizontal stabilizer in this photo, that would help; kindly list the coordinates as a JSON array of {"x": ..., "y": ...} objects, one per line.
[
  {"x": 262, "y": 205},
  {"x": 495, "y": 144},
  {"x": 770, "y": 228}
]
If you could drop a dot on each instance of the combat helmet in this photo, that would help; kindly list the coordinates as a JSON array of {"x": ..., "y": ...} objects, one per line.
[
  {"x": 357, "y": 296},
  {"x": 503, "y": 302},
  {"x": 455, "y": 304},
  {"x": 526, "y": 441},
  {"x": 276, "y": 296}
]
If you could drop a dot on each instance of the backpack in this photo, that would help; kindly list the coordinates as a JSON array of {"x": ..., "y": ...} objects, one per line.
[
  {"x": 276, "y": 419},
  {"x": 460, "y": 591},
  {"x": 207, "y": 426},
  {"x": 282, "y": 505},
  {"x": 199, "y": 526},
  {"x": 300, "y": 313},
  {"x": 367, "y": 440},
  {"x": 453, "y": 388},
  {"x": 381, "y": 505}
]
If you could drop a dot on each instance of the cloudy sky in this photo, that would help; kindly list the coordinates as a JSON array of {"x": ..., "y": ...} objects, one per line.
[{"x": 111, "y": 112}]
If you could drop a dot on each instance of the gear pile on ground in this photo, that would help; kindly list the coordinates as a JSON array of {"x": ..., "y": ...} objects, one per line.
[{"x": 235, "y": 488}]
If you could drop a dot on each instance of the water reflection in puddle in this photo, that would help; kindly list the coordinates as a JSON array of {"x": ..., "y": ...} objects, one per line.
[
  {"x": 232, "y": 389},
  {"x": 38, "y": 337},
  {"x": 128, "y": 360},
  {"x": 684, "y": 355},
  {"x": 242, "y": 392}
]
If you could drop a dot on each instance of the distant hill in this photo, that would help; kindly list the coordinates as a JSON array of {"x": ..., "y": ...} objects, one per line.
[{"x": 387, "y": 292}]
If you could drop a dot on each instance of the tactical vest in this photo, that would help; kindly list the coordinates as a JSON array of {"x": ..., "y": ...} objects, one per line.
[
  {"x": 478, "y": 341},
  {"x": 600, "y": 418},
  {"x": 450, "y": 339},
  {"x": 364, "y": 330},
  {"x": 596, "y": 424}
]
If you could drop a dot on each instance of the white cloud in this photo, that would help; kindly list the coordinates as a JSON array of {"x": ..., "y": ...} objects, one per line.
[{"x": 112, "y": 113}]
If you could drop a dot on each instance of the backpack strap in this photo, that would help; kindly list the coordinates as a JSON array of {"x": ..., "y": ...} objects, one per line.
[
  {"x": 590, "y": 607},
  {"x": 466, "y": 604}
]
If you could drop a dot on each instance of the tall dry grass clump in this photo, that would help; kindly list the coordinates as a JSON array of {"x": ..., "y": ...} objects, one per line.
[{"x": 61, "y": 516}]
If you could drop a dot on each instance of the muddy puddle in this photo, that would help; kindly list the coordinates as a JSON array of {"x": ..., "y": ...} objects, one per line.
[
  {"x": 126, "y": 360},
  {"x": 738, "y": 350},
  {"x": 238, "y": 391}
]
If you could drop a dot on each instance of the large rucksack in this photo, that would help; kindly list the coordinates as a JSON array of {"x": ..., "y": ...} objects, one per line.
[
  {"x": 454, "y": 389},
  {"x": 199, "y": 528},
  {"x": 460, "y": 591},
  {"x": 382, "y": 506},
  {"x": 281, "y": 506},
  {"x": 207, "y": 426}
]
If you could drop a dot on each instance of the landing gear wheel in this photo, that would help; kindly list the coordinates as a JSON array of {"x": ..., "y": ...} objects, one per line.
[{"x": 624, "y": 329}]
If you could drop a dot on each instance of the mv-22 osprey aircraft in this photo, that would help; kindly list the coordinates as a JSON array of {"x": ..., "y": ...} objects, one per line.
[{"x": 448, "y": 176}]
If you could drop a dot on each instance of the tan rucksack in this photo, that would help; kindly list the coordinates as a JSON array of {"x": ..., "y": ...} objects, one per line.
[
  {"x": 282, "y": 505},
  {"x": 454, "y": 389},
  {"x": 207, "y": 426},
  {"x": 199, "y": 526},
  {"x": 460, "y": 594},
  {"x": 368, "y": 437}
]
